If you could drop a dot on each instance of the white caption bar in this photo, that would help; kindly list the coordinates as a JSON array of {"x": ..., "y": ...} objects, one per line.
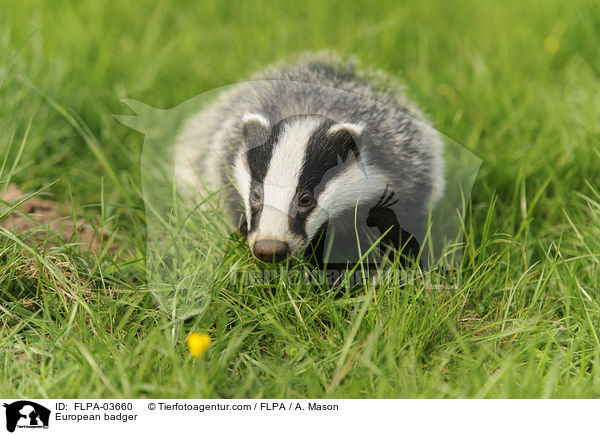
[{"x": 289, "y": 416}]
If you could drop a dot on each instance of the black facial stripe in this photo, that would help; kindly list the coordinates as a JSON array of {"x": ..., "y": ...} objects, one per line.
[
  {"x": 322, "y": 154},
  {"x": 321, "y": 163},
  {"x": 298, "y": 218},
  {"x": 255, "y": 209},
  {"x": 258, "y": 159}
]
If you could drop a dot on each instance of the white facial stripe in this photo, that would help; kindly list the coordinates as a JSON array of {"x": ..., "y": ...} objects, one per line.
[
  {"x": 274, "y": 225},
  {"x": 343, "y": 192},
  {"x": 281, "y": 180}
]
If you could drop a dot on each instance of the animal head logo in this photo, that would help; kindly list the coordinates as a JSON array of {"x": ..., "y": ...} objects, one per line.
[{"x": 26, "y": 414}]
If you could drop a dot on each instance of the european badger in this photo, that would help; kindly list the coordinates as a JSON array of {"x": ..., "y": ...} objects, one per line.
[{"x": 311, "y": 145}]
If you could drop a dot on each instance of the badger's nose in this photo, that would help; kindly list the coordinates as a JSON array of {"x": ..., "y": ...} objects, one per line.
[{"x": 270, "y": 250}]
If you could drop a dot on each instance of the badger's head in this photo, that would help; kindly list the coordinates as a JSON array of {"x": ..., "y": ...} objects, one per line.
[{"x": 296, "y": 174}]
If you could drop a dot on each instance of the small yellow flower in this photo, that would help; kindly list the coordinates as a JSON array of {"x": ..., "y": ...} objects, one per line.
[
  {"x": 551, "y": 44},
  {"x": 198, "y": 344}
]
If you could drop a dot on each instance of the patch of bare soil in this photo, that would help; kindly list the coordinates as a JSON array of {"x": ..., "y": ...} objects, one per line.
[{"x": 42, "y": 221}]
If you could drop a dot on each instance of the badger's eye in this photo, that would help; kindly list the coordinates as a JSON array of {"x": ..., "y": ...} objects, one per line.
[
  {"x": 255, "y": 197},
  {"x": 306, "y": 200}
]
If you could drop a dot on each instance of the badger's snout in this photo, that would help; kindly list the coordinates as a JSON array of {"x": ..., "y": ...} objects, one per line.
[{"x": 270, "y": 250}]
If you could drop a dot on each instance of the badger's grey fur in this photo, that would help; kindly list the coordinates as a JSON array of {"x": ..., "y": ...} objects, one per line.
[{"x": 306, "y": 143}]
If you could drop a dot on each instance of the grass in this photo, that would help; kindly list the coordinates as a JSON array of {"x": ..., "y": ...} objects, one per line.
[{"x": 515, "y": 82}]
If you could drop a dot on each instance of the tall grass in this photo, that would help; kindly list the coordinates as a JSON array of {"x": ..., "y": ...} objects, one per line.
[{"x": 515, "y": 82}]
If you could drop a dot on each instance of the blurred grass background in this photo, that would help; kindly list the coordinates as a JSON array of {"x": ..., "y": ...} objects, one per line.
[{"x": 515, "y": 82}]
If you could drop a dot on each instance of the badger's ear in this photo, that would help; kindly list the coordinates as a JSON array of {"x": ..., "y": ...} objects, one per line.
[
  {"x": 255, "y": 129},
  {"x": 345, "y": 138},
  {"x": 354, "y": 129}
]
